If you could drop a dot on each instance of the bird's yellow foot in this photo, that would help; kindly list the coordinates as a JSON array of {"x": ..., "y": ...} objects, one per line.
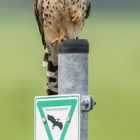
[
  {"x": 61, "y": 38},
  {"x": 75, "y": 19},
  {"x": 55, "y": 40}
]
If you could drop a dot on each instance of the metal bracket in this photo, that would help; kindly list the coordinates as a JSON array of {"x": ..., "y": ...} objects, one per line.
[{"x": 87, "y": 103}]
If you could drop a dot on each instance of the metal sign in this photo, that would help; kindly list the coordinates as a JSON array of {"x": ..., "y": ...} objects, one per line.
[{"x": 57, "y": 117}]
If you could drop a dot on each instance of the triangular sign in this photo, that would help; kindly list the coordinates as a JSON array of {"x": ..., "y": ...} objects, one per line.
[{"x": 56, "y": 115}]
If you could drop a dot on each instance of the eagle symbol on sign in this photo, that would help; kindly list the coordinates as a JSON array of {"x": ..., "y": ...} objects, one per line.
[{"x": 55, "y": 122}]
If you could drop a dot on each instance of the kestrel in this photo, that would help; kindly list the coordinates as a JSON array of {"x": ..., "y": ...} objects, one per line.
[{"x": 58, "y": 20}]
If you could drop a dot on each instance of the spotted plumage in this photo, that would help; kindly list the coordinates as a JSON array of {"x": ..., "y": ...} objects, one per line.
[{"x": 58, "y": 20}]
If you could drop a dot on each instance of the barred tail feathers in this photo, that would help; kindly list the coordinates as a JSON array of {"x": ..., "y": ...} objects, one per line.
[{"x": 52, "y": 74}]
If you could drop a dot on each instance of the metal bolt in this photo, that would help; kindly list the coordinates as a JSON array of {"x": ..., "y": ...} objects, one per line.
[
  {"x": 86, "y": 103},
  {"x": 44, "y": 120},
  {"x": 68, "y": 119}
]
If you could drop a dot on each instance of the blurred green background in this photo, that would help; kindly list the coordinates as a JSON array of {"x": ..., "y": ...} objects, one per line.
[{"x": 113, "y": 31}]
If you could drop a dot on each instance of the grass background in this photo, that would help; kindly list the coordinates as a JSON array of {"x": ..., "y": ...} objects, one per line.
[{"x": 114, "y": 74}]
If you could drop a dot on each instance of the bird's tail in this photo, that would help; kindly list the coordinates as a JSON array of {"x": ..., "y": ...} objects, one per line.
[{"x": 52, "y": 73}]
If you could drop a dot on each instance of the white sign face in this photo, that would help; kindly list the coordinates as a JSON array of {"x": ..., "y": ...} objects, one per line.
[{"x": 57, "y": 117}]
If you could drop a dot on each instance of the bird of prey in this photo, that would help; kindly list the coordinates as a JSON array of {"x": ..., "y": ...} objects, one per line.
[{"x": 58, "y": 20}]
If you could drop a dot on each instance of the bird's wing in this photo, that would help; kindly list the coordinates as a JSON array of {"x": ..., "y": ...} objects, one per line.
[
  {"x": 75, "y": 12},
  {"x": 88, "y": 10},
  {"x": 39, "y": 17}
]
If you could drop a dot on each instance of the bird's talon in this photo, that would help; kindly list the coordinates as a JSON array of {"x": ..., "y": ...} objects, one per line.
[
  {"x": 75, "y": 19},
  {"x": 61, "y": 38},
  {"x": 55, "y": 40}
]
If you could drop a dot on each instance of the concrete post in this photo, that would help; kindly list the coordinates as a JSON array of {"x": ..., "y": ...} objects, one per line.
[{"x": 73, "y": 76}]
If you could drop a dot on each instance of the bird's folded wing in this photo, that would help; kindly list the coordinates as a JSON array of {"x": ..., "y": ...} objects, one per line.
[{"x": 39, "y": 17}]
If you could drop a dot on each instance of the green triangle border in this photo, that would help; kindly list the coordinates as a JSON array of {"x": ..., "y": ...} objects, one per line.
[{"x": 52, "y": 103}]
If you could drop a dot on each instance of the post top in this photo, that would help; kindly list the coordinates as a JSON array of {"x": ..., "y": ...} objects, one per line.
[{"x": 73, "y": 46}]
